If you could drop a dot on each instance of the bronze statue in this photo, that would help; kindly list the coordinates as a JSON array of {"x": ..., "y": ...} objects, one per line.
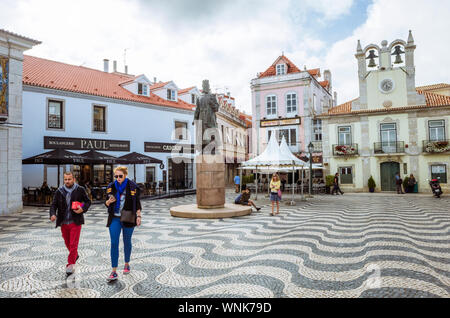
[{"x": 207, "y": 106}]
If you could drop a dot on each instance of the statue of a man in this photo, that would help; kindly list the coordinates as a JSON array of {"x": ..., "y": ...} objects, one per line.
[{"x": 207, "y": 106}]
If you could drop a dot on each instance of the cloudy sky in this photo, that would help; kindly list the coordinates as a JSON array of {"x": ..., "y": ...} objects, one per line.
[{"x": 229, "y": 41}]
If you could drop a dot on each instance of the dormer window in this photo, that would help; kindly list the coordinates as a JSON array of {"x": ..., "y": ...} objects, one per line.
[
  {"x": 281, "y": 69},
  {"x": 171, "y": 95},
  {"x": 142, "y": 89}
]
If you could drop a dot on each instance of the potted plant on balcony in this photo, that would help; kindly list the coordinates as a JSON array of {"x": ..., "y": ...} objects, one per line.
[
  {"x": 371, "y": 184},
  {"x": 343, "y": 150},
  {"x": 438, "y": 146},
  {"x": 328, "y": 183}
]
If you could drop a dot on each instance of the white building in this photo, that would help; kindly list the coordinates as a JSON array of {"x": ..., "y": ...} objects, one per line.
[{"x": 78, "y": 109}]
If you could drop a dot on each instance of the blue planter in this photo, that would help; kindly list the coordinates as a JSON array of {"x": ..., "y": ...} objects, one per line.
[{"x": 371, "y": 190}]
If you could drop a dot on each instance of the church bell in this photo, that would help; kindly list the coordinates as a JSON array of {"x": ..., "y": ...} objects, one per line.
[
  {"x": 397, "y": 52},
  {"x": 371, "y": 58}
]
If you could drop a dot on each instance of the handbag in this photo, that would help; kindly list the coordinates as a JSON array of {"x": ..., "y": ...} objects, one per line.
[
  {"x": 279, "y": 193},
  {"x": 127, "y": 216}
]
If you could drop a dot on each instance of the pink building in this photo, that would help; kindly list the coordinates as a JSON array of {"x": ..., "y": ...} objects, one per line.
[{"x": 285, "y": 100}]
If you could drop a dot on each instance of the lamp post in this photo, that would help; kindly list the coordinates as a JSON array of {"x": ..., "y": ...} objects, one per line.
[{"x": 310, "y": 149}]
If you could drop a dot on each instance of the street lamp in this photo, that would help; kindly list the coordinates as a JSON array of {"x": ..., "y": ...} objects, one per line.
[{"x": 310, "y": 149}]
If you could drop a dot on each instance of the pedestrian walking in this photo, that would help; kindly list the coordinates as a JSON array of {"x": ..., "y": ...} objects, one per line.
[
  {"x": 69, "y": 204},
  {"x": 275, "y": 192},
  {"x": 237, "y": 182},
  {"x": 283, "y": 182},
  {"x": 336, "y": 187},
  {"x": 124, "y": 214},
  {"x": 411, "y": 183},
  {"x": 398, "y": 183},
  {"x": 244, "y": 198}
]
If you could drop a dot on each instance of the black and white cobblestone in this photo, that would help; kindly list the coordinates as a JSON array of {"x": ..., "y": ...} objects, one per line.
[{"x": 346, "y": 246}]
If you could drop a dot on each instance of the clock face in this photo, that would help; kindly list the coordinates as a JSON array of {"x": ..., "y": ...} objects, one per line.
[{"x": 387, "y": 85}]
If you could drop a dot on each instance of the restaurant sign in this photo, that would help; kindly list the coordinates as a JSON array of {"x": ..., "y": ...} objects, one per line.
[
  {"x": 281, "y": 122},
  {"x": 86, "y": 144},
  {"x": 166, "y": 147}
]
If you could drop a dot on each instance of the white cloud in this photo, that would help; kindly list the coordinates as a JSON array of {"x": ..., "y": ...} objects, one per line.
[
  {"x": 391, "y": 20},
  {"x": 226, "y": 42}
]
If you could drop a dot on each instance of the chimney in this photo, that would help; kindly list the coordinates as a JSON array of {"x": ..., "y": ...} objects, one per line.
[
  {"x": 114, "y": 66},
  {"x": 106, "y": 65},
  {"x": 335, "y": 98},
  {"x": 154, "y": 80},
  {"x": 126, "y": 69}
]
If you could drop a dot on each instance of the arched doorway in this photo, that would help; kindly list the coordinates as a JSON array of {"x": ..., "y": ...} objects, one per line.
[{"x": 388, "y": 170}]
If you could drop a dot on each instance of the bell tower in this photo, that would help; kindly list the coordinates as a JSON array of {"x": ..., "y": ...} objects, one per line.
[{"x": 387, "y": 75}]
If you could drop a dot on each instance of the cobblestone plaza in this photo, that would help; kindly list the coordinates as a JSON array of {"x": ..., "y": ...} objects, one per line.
[{"x": 356, "y": 245}]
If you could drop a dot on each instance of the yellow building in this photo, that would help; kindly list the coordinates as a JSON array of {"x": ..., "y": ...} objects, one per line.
[{"x": 393, "y": 127}]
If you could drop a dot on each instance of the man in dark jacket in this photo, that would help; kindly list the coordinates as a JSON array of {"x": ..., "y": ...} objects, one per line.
[
  {"x": 336, "y": 185},
  {"x": 69, "y": 204}
]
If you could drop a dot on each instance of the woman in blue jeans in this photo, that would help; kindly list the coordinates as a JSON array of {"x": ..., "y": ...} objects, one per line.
[{"x": 123, "y": 194}]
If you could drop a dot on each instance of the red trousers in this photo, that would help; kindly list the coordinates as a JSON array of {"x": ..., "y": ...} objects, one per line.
[{"x": 71, "y": 235}]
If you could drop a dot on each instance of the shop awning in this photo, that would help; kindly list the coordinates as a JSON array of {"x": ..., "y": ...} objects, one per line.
[{"x": 55, "y": 157}]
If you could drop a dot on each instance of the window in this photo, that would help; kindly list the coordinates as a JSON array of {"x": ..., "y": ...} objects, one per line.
[
  {"x": 436, "y": 129},
  {"x": 291, "y": 103},
  {"x": 55, "y": 115},
  {"x": 149, "y": 174},
  {"x": 317, "y": 129},
  {"x": 271, "y": 102},
  {"x": 289, "y": 134},
  {"x": 142, "y": 89},
  {"x": 345, "y": 135},
  {"x": 281, "y": 69},
  {"x": 171, "y": 95},
  {"x": 180, "y": 130},
  {"x": 346, "y": 175},
  {"x": 99, "y": 118},
  {"x": 193, "y": 100},
  {"x": 439, "y": 172}
]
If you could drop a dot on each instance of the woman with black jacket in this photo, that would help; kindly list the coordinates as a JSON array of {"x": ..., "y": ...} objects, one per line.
[{"x": 123, "y": 196}]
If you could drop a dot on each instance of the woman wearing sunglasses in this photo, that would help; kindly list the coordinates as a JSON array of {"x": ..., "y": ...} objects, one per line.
[{"x": 124, "y": 213}]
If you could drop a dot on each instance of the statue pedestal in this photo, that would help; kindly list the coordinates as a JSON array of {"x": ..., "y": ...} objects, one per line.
[
  {"x": 210, "y": 193},
  {"x": 210, "y": 181}
]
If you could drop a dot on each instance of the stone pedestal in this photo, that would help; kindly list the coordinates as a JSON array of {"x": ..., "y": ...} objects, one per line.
[
  {"x": 210, "y": 193},
  {"x": 210, "y": 181}
]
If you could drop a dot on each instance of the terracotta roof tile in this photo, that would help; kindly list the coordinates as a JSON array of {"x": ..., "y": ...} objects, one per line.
[
  {"x": 432, "y": 87},
  {"x": 185, "y": 90},
  {"x": 158, "y": 85},
  {"x": 431, "y": 100},
  {"x": 271, "y": 71},
  {"x": 314, "y": 72},
  {"x": 60, "y": 76}
]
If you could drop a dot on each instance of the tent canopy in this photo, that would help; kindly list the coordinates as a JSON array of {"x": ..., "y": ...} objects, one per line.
[{"x": 274, "y": 156}]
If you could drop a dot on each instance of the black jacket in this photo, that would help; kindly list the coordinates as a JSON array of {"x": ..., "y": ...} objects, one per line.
[
  {"x": 132, "y": 201},
  {"x": 59, "y": 205}
]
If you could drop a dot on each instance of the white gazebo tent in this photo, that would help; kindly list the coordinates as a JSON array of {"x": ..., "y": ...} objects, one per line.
[{"x": 273, "y": 158}]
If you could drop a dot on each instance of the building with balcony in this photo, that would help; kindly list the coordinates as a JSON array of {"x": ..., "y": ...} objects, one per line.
[
  {"x": 392, "y": 127},
  {"x": 286, "y": 101}
]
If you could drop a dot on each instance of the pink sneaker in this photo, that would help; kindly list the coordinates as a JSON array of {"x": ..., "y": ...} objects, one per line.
[
  {"x": 126, "y": 269},
  {"x": 112, "y": 277}
]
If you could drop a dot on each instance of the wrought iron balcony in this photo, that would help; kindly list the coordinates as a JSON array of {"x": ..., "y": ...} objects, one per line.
[
  {"x": 436, "y": 146},
  {"x": 389, "y": 147},
  {"x": 345, "y": 150}
]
